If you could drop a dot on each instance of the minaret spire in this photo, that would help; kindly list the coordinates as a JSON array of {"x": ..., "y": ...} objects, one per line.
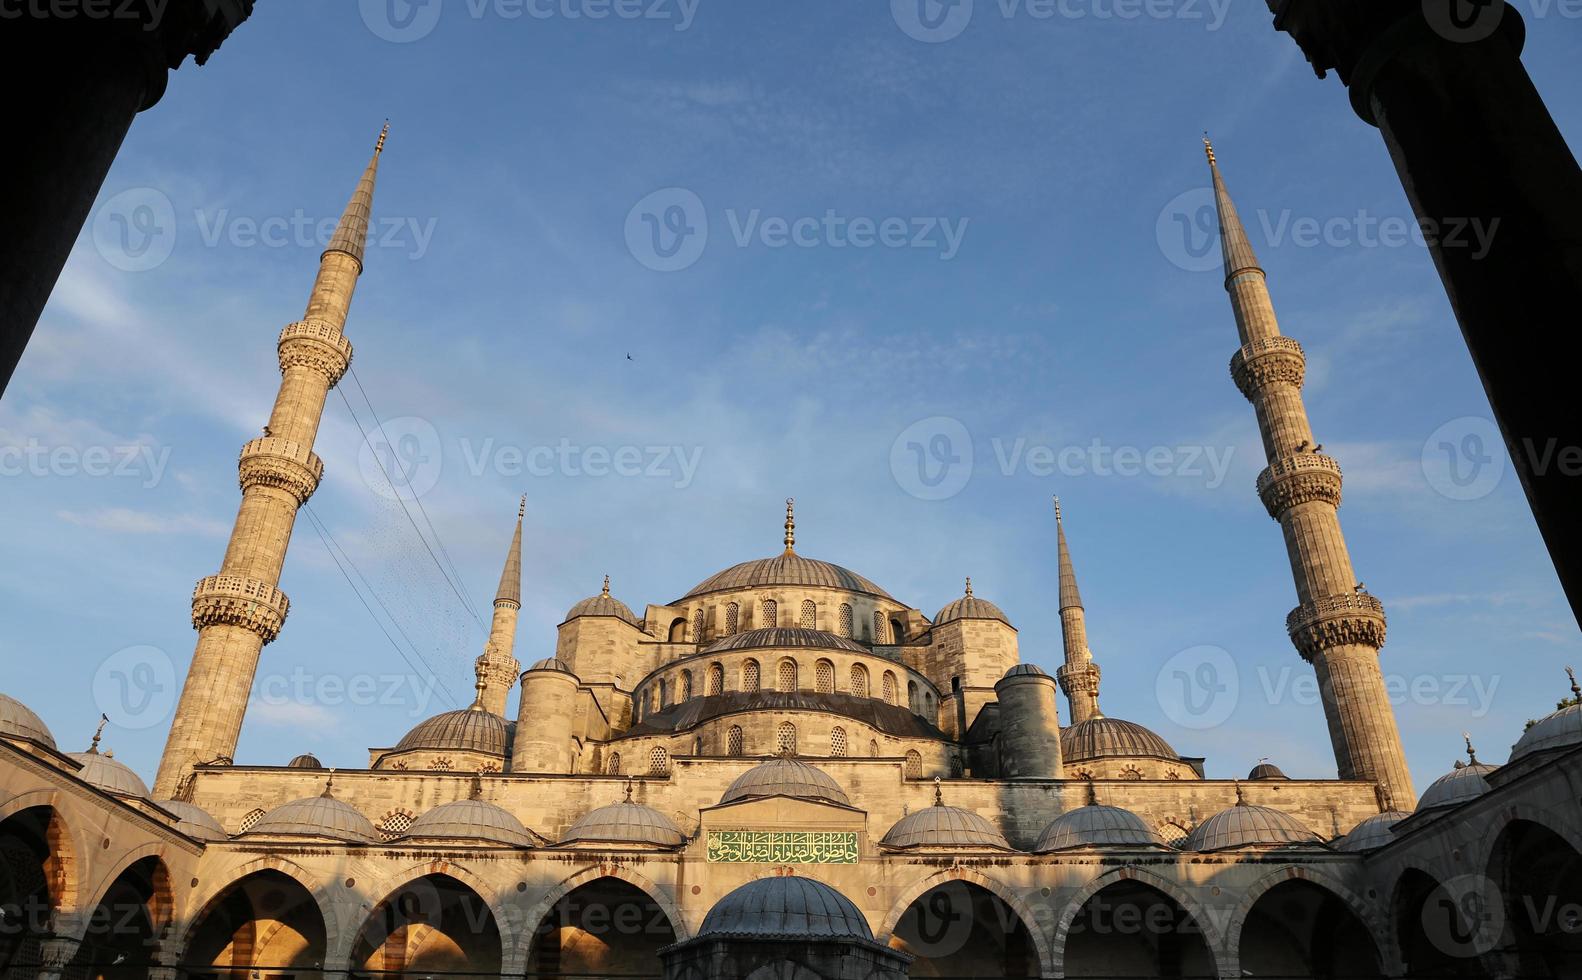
[
  {"x": 1079, "y": 676},
  {"x": 1337, "y": 626},
  {"x": 498, "y": 668},
  {"x": 241, "y": 608},
  {"x": 790, "y": 525}
]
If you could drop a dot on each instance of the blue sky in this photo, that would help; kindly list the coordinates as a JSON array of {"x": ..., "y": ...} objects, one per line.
[{"x": 1000, "y": 244}]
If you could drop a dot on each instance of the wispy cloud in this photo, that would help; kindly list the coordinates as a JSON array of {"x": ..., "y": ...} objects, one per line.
[{"x": 124, "y": 520}]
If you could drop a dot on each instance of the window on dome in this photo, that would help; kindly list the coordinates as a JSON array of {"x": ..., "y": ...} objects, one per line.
[
  {"x": 750, "y": 676},
  {"x": 897, "y": 631},
  {"x": 664, "y": 694},
  {"x": 686, "y": 685},
  {"x": 716, "y": 679},
  {"x": 394, "y": 824},
  {"x": 1130, "y": 772},
  {"x": 613, "y": 767},
  {"x": 837, "y": 742},
  {"x": 859, "y": 680},
  {"x": 658, "y": 761},
  {"x": 251, "y": 820},
  {"x": 785, "y": 738},
  {"x": 490, "y": 767},
  {"x": 845, "y": 620},
  {"x": 880, "y": 635},
  {"x": 888, "y": 687},
  {"x": 914, "y": 764},
  {"x": 1174, "y": 833},
  {"x": 697, "y": 626},
  {"x": 697, "y": 745},
  {"x": 809, "y": 614},
  {"x": 788, "y": 675},
  {"x": 912, "y": 702},
  {"x": 956, "y": 768},
  {"x": 733, "y": 741},
  {"x": 678, "y": 630},
  {"x": 873, "y": 748},
  {"x": 824, "y": 677},
  {"x": 733, "y": 619},
  {"x": 770, "y": 611},
  {"x": 441, "y": 765}
]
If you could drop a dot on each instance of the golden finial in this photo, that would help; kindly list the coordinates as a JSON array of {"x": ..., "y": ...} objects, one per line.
[
  {"x": 939, "y": 794},
  {"x": 521, "y": 508},
  {"x": 628, "y": 789},
  {"x": 1576, "y": 692},
  {"x": 606, "y": 592},
  {"x": 1208, "y": 147},
  {"x": 1241, "y": 798},
  {"x": 790, "y": 525},
  {"x": 329, "y": 781},
  {"x": 380, "y": 146},
  {"x": 1472, "y": 753},
  {"x": 93, "y": 747},
  {"x": 969, "y": 585}
]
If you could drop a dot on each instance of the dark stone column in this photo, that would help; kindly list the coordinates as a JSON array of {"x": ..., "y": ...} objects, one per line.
[
  {"x": 1473, "y": 142},
  {"x": 75, "y": 74}
]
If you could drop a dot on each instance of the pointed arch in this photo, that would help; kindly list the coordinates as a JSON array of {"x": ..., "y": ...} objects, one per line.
[
  {"x": 63, "y": 864},
  {"x": 1367, "y": 914},
  {"x": 1213, "y": 937},
  {"x": 205, "y": 906},
  {"x": 164, "y": 903},
  {"x": 534, "y": 917},
  {"x": 201, "y": 903},
  {"x": 415, "y": 880},
  {"x": 1028, "y": 915}
]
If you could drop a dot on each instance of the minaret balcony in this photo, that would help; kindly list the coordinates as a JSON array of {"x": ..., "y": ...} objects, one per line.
[
  {"x": 282, "y": 464},
  {"x": 235, "y": 600},
  {"x": 1298, "y": 479},
  {"x": 317, "y": 345},
  {"x": 1329, "y": 621},
  {"x": 1272, "y": 360},
  {"x": 1079, "y": 678}
]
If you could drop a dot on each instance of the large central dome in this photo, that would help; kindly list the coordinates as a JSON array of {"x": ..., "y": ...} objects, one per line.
[{"x": 786, "y": 569}]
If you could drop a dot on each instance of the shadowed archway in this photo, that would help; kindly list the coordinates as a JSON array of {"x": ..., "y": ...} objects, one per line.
[
  {"x": 266, "y": 921},
  {"x": 127, "y": 926},
  {"x": 961, "y": 929},
  {"x": 1538, "y": 877},
  {"x": 431, "y": 925},
  {"x": 1433, "y": 931},
  {"x": 605, "y": 927},
  {"x": 1131, "y": 929},
  {"x": 36, "y": 872},
  {"x": 1300, "y": 929}
]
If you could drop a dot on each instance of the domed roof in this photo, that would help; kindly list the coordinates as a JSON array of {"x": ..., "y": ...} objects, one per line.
[
  {"x": 784, "y": 637},
  {"x": 1557, "y": 730},
  {"x": 468, "y": 730},
  {"x": 786, "y": 907},
  {"x": 625, "y": 823},
  {"x": 786, "y": 777},
  {"x": 603, "y": 604},
  {"x": 18, "y": 719},
  {"x": 306, "y": 760},
  {"x": 1096, "y": 825},
  {"x": 1246, "y": 825},
  {"x": 970, "y": 606},
  {"x": 944, "y": 826},
  {"x": 109, "y": 775},
  {"x": 1456, "y": 787},
  {"x": 473, "y": 820},
  {"x": 1372, "y": 833},
  {"x": 1266, "y": 770},
  {"x": 193, "y": 820},
  {"x": 552, "y": 663},
  {"x": 1102, "y": 738},
  {"x": 1027, "y": 670},
  {"x": 786, "y": 569},
  {"x": 316, "y": 816}
]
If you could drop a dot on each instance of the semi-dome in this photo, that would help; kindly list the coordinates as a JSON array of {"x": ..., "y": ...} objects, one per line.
[
  {"x": 552, "y": 663},
  {"x": 1097, "y": 825},
  {"x": 786, "y": 569},
  {"x": 18, "y": 720},
  {"x": 786, "y": 777},
  {"x": 944, "y": 826},
  {"x": 784, "y": 637},
  {"x": 603, "y": 604},
  {"x": 1455, "y": 787},
  {"x": 624, "y": 823},
  {"x": 193, "y": 820},
  {"x": 316, "y": 816},
  {"x": 468, "y": 730},
  {"x": 109, "y": 775},
  {"x": 471, "y": 820},
  {"x": 1246, "y": 825},
  {"x": 1557, "y": 730},
  {"x": 1266, "y": 770},
  {"x": 1027, "y": 670},
  {"x": 306, "y": 760},
  {"x": 1104, "y": 738},
  {"x": 1372, "y": 833},
  {"x": 786, "y": 907},
  {"x": 970, "y": 606}
]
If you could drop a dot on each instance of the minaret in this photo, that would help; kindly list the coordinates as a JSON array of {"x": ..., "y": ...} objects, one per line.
[
  {"x": 1337, "y": 626},
  {"x": 1079, "y": 678},
  {"x": 242, "y": 608},
  {"x": 497, "y": 668}
]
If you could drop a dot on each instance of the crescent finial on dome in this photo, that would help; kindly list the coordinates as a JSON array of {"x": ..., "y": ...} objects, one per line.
[{"x": 790, "y": 540}]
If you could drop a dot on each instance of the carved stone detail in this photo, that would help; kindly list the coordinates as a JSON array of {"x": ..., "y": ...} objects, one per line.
[
  {"x": 317, "y": 345},
  {"x": 235, "y": 600},
  {"x": 1299, "y": 479},
  {"x": 280, "y": 463},
  {"x": 1336, "y": 620},
  {"x": 1079, "y": 678},
  {"x": 1268, "y": 361}
]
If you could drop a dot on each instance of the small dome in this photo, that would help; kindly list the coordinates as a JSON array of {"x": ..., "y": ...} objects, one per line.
[
  {"x": 19, "y": 721},
  {"x": 1372, "y": 833},
  {"x": 1455, "y": 787},
  {"x": 624, "y": 823},
  {"x": 1102, "y": 738},
  {"x": 306, "y": 760},
  {"x": 316, "y": 816},
  {"x": 1266, "y": 770},
  {"x": 970, "y": 606},
  {"x": 468, "y": 730},
  {"x": 603, "y": 604},
  {"x": 783, "y": 637},
  {"x": 786, "y": 569},
  {"x": 786, "y": 777},
  {"x": 1560, "y": 729},
  {"x": 552, "y": 663},
  {"x": 1245, "y": 825},
  {"x": 945, "y": 826},
  {"x": 471, "y": 820},
  {"x": 193, "y": 820},
  {"x": 1096, "y": 825},
  {"x": 1026, "y": 670},
  {"x": 109, "y": 775},
  {"x": 786, "y": 907}
]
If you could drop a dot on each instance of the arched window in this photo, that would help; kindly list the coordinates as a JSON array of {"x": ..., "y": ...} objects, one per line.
[
  {"x": 686, "y": 685},
  {"x": 733, "y": 741},
  {"x": 837, "y": 742},
  {"x": 859, "y": 680},
  {"x": 394, "y": 824},
  {"x": 664, "y": 694},
  {"x": 697, "y": 745},
  {"x": 440, "y": 765},
  {"x": 249, "y": 821},
  {"x": 613, "y": 767},
  {"x": 928, "y": 705},
  {"x": 788, "y": 675},
  {"x": 956, "y": 768},
  {"x": 880, "y": 634},
  {"x": 785, "y": 738},
  {"x": 873, "y": 749},
  {"x": 770, "y": 611},
  {"x": 733, "y": 619},
  {"x": 716, "y": 679},
  {"x": 914, "y": 764},
  {"x": 658, "y": 761},
  {"x": 750, "y": 676},
  {"x": 809, "y": 614},
  {"x": 845, "y": 620},
  {"x": 888, "y": 688},
  {"x": 897, "y": 631},
  {"x": 824, "y": 677},
  {"x": 678, "y": 630},
  {"x": 697, "y": 626},
  {"x": 912, "y": 702}
]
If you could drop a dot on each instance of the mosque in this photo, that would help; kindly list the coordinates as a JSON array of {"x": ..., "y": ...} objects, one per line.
[{"x": 786, "y": 772}]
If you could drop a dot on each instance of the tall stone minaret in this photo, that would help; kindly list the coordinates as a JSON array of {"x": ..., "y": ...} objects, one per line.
[
  {"x": 1337, "y": 626},
  {"x": 497, "y": 668},
  {"x": 242, "y": 608},
  {"x": 1079, "y": 677}
]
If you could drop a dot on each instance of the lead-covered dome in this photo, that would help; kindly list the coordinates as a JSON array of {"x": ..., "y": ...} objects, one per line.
[
  {"x": 786, "y": 908},
  {"x": 1247, "y": 825},
  {"x": 603, "y": 604},
  {"x": 468, "y": 730},
  {"x": 316, "y": 816},
  {"x": 1372, "y": 833},
  {"x": 17, "y": 719},
  {"x": 784, "y": 637},
  {"x": 1560, "y": 729},
  {"x": 786, "y": 569},
  {"x": 476, "y": 820},
  {"x": 306, "y": 760},
  {"x": 1266, "y": 770},
  {"x": 1097, "y": 825},
  {"x": 1026, "y": 670},
  {"x": 555, "y": 664},
  {"x": 1104, "y": 738},
  {"x": 193, "y": 820},
  {"x": 624, "y": 823},
  {"x": 1455, "y": 787},
  {"x": 945, "y": 826},
  {"x": 786, "y": 777},
  {"x": 109, "y": 775},
  {"x": 970, "y": 606}
]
